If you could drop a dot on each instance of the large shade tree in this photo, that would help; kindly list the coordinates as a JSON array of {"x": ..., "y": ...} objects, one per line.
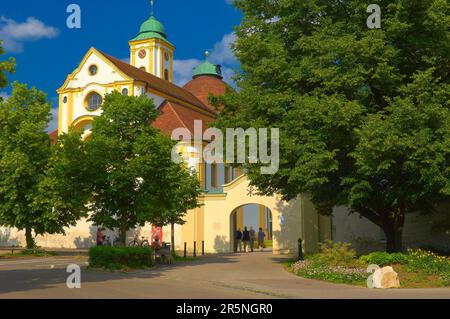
[
  {"x": 363, "y": 113},
  {"x": 32, "y": 174},
  {"x": 133, "y": 177}
]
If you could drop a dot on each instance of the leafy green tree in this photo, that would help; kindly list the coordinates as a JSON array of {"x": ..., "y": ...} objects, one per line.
[
  {"x": 342, "y": 94},
  {"x": 134, "y": 179},
  {"x": 5, "y": 66},
  {"x": 65, "y": 188},
  {"x": 26, "y": 167}
]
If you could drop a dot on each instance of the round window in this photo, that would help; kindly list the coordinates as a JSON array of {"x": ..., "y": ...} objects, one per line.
[
  {"x": 142, "y": 53},
  {"x": 65, "y": 99},
  {"x": 125, "y": 91},
  {"x": 93, "y": 70},
  {"x": 94, "y": 102}
]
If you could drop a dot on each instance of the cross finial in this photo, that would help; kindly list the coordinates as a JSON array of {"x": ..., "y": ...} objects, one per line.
[
  {"x": 206, "y": 55},
  {"x": 152, "y": 4}
]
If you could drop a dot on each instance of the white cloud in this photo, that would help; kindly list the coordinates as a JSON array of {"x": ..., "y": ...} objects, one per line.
[
  {"x": 15, "y": 34},
  {"x": 220, "y": 54},
  {"x": 53, "y": 125},
  {"x": 182, "y": 70},
  {"x": 4, "y": 95}
]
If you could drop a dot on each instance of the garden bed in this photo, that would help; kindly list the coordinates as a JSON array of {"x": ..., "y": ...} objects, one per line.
[{"x": 338, "y": 263}]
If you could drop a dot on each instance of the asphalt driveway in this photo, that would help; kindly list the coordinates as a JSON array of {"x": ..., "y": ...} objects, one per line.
[{"x": 258, "y": 275}]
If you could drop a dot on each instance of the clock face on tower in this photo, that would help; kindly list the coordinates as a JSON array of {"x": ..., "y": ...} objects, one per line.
[{"x": 142, "y": 54}]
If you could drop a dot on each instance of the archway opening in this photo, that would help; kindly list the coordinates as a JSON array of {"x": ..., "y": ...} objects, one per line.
[{"x": 257, "y": 220}]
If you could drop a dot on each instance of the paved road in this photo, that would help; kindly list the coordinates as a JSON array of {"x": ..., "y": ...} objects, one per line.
[{"x": 257, "y": 275}]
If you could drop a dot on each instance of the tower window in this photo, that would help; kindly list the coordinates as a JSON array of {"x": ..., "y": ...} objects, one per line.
[
  {"x": 94, "y": 101},
  {"x": 93, "y": 70},
  {"x": 125, "y": 91},
  {"x": 143, "y": 68},
  {"x": 166, "y": 75},
  {"x": 65, "y": 99}
]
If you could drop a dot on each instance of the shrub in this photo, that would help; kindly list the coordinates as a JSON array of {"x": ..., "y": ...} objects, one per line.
[
  {"x": 114, "y": 258},
  {"x": 335, "y": 254},
  {"x": 429, "y": 262},
  {"x": 416, "y": 260},
  {"x": 384, "y": 259}
]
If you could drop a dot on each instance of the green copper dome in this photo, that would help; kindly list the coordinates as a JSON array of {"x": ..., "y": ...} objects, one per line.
[
  {"x": 152, "y": 25},
  {"x": 207, "y": 68},
  {"x": 151, "y": 29}
]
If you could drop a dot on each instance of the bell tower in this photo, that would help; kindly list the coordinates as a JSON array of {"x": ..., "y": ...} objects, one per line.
[{"x": 151, "y": 51}]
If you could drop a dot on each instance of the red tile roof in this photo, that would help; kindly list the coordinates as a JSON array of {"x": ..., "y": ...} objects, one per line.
[
  {"x": 53, "y": 136},
  {"x": 202, "y": 86},
  {"x": 156, "y": 83},
  {"x": 173, "y": 116}
]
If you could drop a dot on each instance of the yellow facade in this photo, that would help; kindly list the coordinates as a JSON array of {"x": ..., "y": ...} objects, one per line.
[
  {"x": 153, "y": 55},
  {"x": 222, "y": 210}
]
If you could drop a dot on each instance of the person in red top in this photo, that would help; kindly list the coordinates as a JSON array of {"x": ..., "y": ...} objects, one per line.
[{"x": 100, "y": 237}]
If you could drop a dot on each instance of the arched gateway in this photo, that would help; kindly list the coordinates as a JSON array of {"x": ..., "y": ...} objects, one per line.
[{"x": 211, "y": 223}]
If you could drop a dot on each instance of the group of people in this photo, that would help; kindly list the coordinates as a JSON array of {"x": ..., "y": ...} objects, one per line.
[{"x": 247, "y": 239}]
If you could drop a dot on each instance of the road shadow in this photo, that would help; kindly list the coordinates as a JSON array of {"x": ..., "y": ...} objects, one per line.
[
  {"x": 19, "y": 280},
  {"x": 29, "y": 279}
]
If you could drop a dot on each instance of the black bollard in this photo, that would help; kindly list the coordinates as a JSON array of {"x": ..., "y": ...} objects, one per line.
[
  {"x": 185, "y": 249},
  {"x": 300, "y": 249},
  {"x": 195, "y": 249},
  {"x": 203, "y": 248}
]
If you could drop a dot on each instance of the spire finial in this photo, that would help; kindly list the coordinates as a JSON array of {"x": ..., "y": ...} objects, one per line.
[
  {"x": 206, "y": 55},
  {"x": 152, "y": 4}
]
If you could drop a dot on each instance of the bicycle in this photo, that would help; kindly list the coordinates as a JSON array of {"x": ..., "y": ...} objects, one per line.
[{"x": 136, "y": 242}]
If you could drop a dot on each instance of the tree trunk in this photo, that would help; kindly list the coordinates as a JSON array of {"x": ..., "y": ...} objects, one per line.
[
  {"x": 29, "y": 238},
  {"x": 172, "y": 237},
  {"x": 394, "y": 243},
  {"x": 123, "y": 236},
  {"x": 393, "y": 229}
]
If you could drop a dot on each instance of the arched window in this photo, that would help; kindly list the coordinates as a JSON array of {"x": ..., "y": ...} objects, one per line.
[
  {"x": 143, "y": 68},
  {"x": 94, "y": 101},
  {"x": 166, "y": 75}
]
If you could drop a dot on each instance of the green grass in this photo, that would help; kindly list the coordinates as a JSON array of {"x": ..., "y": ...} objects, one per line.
[
  {"x": 178, "y": 258},
  {"x": 416, "y": 269},
  {"x": 28, "y": 253}
]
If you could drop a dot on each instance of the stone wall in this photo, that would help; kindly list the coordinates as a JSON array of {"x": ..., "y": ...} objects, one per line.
[{"x": 419, "y": 231}]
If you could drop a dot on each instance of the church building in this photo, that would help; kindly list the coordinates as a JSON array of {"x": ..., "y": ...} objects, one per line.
[
  {"x": 228, "y": 203},
  {"x": 226, "y": 200}
]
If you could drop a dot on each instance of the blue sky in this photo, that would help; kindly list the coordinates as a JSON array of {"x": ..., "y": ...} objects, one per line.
[{"x": 35, "y": 33}]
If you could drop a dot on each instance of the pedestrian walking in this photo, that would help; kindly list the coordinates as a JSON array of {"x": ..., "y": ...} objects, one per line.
[
  {"x": 261, "y": 237},
  {"x": 252, "y": 238},
  {"x": 246, "y": 239},
  {"x": 239, "y": 240},
  {"x": 100, "y": 237}
]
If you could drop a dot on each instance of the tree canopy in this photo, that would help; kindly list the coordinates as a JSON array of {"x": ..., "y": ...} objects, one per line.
[
  {"x": 25, "y": 153},
  {"x": 133, "y": 178},
  {"x": 363, "y": 113}
]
